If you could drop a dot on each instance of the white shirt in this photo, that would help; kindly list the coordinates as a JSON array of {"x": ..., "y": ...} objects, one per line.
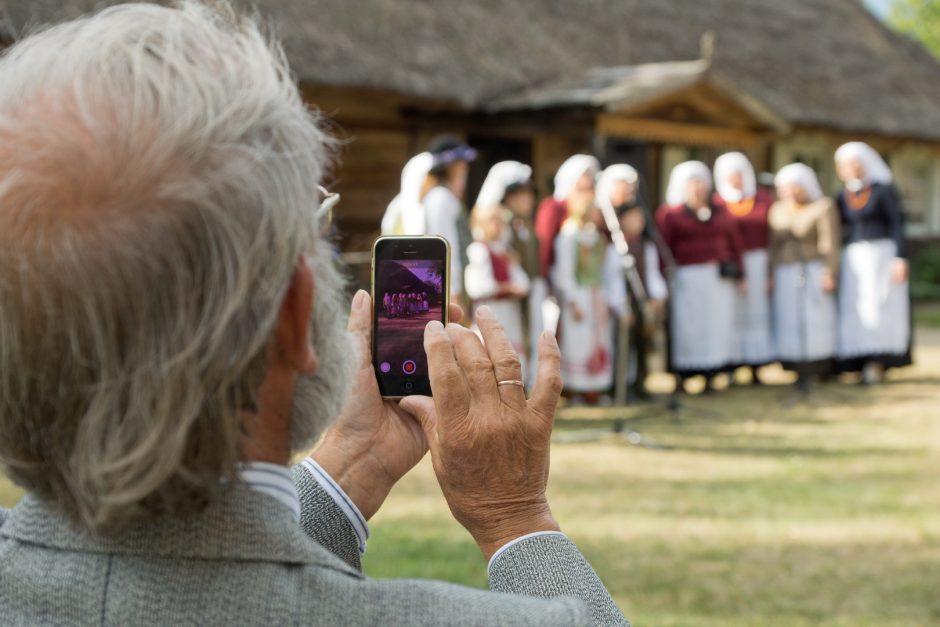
[
  {"x": 276, "y": 482},
  {"x": 443, "y": 212}
]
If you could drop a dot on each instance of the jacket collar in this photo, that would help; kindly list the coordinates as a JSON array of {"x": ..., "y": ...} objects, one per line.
[
  {"x": 788, "y": 215},
  {"x": 241, "y": 524}
]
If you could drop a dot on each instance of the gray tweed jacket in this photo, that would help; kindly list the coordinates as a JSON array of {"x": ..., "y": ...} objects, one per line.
[{"x": 245, "y": 561}]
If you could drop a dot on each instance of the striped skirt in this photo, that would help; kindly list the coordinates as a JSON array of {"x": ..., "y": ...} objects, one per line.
[
  {"x": 805, "y": 318},
  {"x": 754, "y": 344},
  {"x": 702, "y": 321}
]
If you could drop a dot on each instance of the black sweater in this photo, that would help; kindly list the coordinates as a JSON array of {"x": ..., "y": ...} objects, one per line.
[{"x": 882, "y": 217}]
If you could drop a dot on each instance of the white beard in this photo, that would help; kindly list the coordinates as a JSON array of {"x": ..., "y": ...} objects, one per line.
[{"x": 318, "y": 398}]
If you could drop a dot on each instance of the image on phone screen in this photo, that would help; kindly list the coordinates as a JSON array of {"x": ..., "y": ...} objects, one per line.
[{"x": 410, "y": 291}]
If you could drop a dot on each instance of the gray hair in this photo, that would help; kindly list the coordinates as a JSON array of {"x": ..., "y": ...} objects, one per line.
[{"x": 158, "y": 175}]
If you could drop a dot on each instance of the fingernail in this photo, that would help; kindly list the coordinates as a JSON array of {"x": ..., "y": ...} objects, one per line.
[
  {"x": 484, "y": 312},
  {"x": 435, "y": 325},
  {"x": 359, "y": 300}
]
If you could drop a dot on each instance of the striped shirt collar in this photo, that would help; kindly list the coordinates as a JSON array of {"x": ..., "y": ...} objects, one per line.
[{"x": 273, "y": 480}]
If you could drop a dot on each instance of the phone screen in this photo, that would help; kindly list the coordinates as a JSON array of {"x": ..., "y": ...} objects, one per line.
[{"x": 410, "y": 288}]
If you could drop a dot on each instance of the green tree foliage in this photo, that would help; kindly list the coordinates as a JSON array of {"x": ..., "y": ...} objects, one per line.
[{"x": 919, "y": 19}]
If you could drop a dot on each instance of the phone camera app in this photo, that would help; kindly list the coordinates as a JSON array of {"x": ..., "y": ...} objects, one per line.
[{"x": 409, "y": 294}]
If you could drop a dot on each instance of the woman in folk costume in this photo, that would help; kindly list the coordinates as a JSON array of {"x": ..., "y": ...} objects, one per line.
[
  {"x": 405, "y": 215},
  {"x": 494, "y": 277},
  {"x": 707, "y": 249},
  {"x": 508, "y": 185},
  {"x": 444, "y": 209},
  {"x": 587, "y": 279},
  {"x": 737, "y": 194},
  {"x": 874, "y": 297},
  {"x": 804, "y": 250},
  {"x": 617, "y": 189},
  {"x": 574, "y": 181}
]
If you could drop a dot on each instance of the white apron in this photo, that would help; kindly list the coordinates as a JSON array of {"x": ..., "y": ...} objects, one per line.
[
  {"x": 702, "y": 326},
  {"x": 754, "y": 341},
  {"x": 587, "y": 345},
  {"x": 874, "y": 311},
  {"x": 805, "y": 323}
]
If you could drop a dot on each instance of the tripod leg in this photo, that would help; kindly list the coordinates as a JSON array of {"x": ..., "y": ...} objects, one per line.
[{"x": 623, "y": 363}]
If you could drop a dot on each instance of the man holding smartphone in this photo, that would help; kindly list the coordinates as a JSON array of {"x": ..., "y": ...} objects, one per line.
[{"x": 173, "y": 332}]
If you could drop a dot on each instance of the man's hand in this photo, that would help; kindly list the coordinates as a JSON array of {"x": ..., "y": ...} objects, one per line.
[
  {"x": 828, "y": 282},
  {"x": 489, "y": 446},
  {"x": 373, "y": 442}
]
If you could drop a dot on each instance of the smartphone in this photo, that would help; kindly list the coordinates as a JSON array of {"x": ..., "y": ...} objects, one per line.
[{"x": 410, "y": 287}]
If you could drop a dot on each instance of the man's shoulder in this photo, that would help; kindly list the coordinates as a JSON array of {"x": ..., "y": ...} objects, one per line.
[
  {"x": 423, "y": 602},
  {"x": 239, "y": 592}
]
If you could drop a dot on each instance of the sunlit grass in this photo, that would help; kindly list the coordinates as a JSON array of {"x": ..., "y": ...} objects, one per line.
[
  {"x": 756, "y": 512},
  {"x": 927, "y": 315}
]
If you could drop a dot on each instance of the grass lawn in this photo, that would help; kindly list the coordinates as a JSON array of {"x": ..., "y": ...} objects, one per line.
[
  {"x": 927, "y": 315},
  {"x": 757, "y": 512}
]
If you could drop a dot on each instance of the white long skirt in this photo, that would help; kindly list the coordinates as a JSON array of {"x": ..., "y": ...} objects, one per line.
[
  {"x": 582, "y": 340},
  {"x": 538, "y": 292},
  {"x": 754, "y": 341},
  {"x": 702, "y": 328},
  {"x": 805, "y": 323},
  {"x": 874, "y": 310},
  {"x": 509, "y": 313}
]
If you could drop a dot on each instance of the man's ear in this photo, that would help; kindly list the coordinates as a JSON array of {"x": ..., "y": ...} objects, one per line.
[{"x": 293, "y": 339}]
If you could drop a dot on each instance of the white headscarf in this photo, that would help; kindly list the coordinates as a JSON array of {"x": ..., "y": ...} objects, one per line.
[
  {"x": 612, "y": 174},
  {"x": 875, "y": 168},
  {"x": 802, "y": 175},
  {"x": 678, "y": 190},
  {"x": 405, "y": 214},
  {"x": 571, "y": 172},
  {"x": 501, "y": 177},
  {"x": 726, "y": 165}
]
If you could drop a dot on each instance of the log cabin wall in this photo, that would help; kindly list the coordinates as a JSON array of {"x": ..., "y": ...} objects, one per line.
[{"x": 376, "y": 137}]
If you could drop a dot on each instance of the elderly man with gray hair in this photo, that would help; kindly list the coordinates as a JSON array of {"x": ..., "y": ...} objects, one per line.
[{"x": 170, "y": 335}]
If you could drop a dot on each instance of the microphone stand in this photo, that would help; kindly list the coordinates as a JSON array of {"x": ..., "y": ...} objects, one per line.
[{"x": 631, "y": 275}]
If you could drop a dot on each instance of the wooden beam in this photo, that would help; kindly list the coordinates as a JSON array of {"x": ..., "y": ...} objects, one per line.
[{"x": 674, "y": 132}]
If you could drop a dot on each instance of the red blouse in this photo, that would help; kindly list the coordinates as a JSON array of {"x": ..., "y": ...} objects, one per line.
[
  {"x": 750, "y": 216},
  {"x": 549, "y": 217},
  {"x": 693, "y": 241}
]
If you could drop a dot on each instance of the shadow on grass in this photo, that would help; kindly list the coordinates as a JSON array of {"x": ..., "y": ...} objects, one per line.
[
  {"x": 680, "y": 581},
  {"x": 687, "y": 436},
  {"x": 783, "y": 583},
  {"x": 778, "y": 497}
]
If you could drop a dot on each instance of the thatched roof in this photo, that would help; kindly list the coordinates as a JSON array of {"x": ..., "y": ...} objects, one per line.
[{"x": 825, "y": 63}]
